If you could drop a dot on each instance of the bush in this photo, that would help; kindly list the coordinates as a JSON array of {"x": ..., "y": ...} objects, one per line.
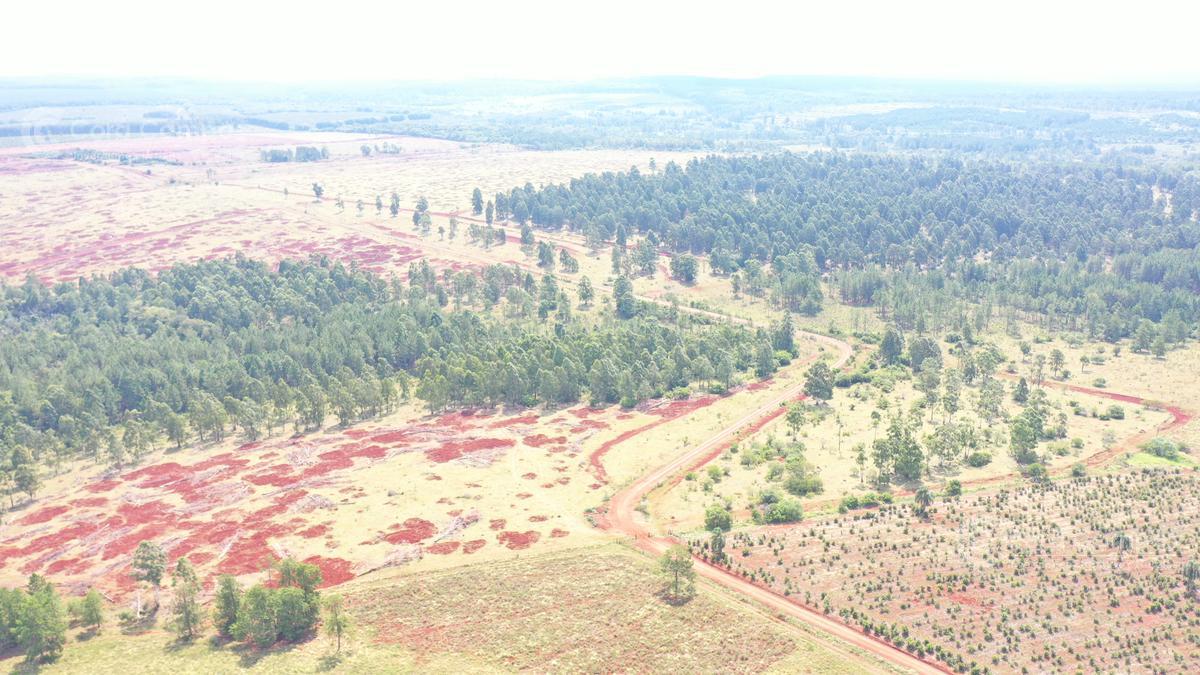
[
  {"x": 978, "y": 459},
  {"x": 784, "y": 511},
  {"x": 295, "y": 615},
  {"x": 802, "y": 486},
  {"x": 1116, "y": 412},
  {"x": 718, "y": 518},
  {"x": 1165, "y": 448}
]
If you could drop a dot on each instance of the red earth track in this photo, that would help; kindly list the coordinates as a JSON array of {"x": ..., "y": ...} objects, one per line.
[{"x": 621, "y": 519}]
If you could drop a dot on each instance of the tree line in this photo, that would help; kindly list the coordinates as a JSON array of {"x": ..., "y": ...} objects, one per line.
[{"x": 110, "y": 366}]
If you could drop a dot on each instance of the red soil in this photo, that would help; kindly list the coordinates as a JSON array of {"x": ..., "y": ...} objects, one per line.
[
  {"x": 69, "y": 566},
  {"x": 412, "y": 531},
  {"x": 443, "y": 548},
  {"x": 584, "y": 425},
  {"x": 665, "y": 414},
  {"x": 538, "y": 440},
  {"x": 538, "y": 519},
  {"x": 42, "y": 515},
  {"x": 334, "y": 571},
  {"x": 473, "y": 545},
  {"x": 529, "y": 476},
  {"x": 88, "y": 502},
  {"x": 102, "y": 486},
  {"x": 497, "y": 524},
  {"x": 558, "y": 533},
  {"x": 314, "y": 531},
  {"x": 518, "y": 540},
  {"x": 455, "y": 449}
]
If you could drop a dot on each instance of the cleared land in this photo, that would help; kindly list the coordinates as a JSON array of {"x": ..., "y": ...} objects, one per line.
[{"x": 1030, "y": 578}]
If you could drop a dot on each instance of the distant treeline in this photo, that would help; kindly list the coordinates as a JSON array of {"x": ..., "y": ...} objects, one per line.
[
  {"x": 1051, "y": 237},
  {"x": 302, "y": 153}
]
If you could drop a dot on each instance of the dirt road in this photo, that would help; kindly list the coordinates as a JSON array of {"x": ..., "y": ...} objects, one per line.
[{"x": 622, "y": 519}]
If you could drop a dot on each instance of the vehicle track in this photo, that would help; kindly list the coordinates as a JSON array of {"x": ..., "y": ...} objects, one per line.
[{"x": 621, "y": 519}]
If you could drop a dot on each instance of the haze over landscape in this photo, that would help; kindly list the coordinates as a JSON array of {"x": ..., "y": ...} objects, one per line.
[{"x": 644, "y": 337}]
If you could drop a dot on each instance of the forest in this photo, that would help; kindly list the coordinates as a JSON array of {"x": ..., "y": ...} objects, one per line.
[
  {"x": 1069, "y": 240},
  {"x": 108, "y": 366}
]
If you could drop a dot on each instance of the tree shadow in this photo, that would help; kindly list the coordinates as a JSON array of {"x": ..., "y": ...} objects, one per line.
[
  {"x": 330, "y": 662},
  {"x": 140, "y": 626},
  {"x": 249, "y": 654},
  {"x": 675, "y": 600},
  {"x": 84, "y": 636}
]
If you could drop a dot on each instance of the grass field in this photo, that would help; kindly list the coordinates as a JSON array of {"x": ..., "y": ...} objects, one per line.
[{"x": 564, "y": 611}]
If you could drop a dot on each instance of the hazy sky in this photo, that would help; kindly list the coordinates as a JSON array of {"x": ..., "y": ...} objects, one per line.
[{"x": 1014, "y": 40}]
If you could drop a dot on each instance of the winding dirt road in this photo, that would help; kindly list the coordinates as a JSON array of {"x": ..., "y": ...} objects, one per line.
[{"x": 621, "y": 518}]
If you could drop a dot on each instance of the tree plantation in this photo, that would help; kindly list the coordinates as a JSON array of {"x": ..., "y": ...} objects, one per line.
[{"x": 109, "y": 367}]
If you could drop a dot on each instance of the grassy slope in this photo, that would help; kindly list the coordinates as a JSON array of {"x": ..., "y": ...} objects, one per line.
[{"x": 592, "y": 609}]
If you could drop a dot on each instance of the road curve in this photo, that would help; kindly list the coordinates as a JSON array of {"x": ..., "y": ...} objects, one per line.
[{"x": 621, "y": 519}]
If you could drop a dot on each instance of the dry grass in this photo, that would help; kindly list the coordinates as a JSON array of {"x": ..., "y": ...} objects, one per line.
[{"x": 589, "y": 610}]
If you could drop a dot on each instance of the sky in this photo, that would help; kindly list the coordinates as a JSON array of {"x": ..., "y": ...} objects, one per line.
[{"x": 1044, "y": 41}]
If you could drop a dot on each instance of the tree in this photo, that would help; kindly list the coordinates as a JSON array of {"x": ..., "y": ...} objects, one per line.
[
  {"x": 623, "y": 298},
  {"x": 1122, "y": 543},
  {"x": 91, "y": 613},
  {"x": 318, "y": 190},
  {"x": 394, "y": 205},
  {"x": 337, "y": 624},
  {"x": 258, "y": 617},
  {"x": 41, "y": 628},
  {"x": 676, "y": 565},
  {"x": 586, "y": 292},
  {"x": 1021, "y": 392},
  {"x": 717, "y": 518},
  {"x": 795, "y": 417},
  {"x": 149, "y": 566},
  {"x": 186, "y": 608},
  {"x": 892, "y": 346},
  {"x": 176, "y": 429},
  {"x": 684, "y": 268},
  {"x": 818, "y": 382},
  {"x": 764, "y": 360},
  {"x": 378, "y": 205},
  {"x": 490, "y": 212},
  {"x": 226, "y": 606},
  {"x": 1057, "y": 361},
  {"x": 1191, "y": 574},
  {"x": 923, "y": 499},
  {"x": 295, "y": 614},
  {"x": 25, "y": 476}
]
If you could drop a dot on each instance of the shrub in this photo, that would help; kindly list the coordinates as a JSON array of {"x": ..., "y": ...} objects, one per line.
[
  {"x": 802, "y": 485},
  {"x": 1164, "y": 447},
  {"x": 718, "y": 518},
  {"x": 978, "y": 459},
  {"x": 784, "y": 511}
]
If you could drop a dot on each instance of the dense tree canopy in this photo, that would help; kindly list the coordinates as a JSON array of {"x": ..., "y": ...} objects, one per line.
[{"x": 108, "y": 365}]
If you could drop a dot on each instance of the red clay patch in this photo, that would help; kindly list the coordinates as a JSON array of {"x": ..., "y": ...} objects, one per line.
[
  {"x": 473, "y": 545},
  {"x": 558, "y": 533},
  {"x": 334, "y": 571},
  {"x": 443, "y": 548},
  {"x": 43, "y": 515},
  {"x": 412, "y": 531},
  {"x": 538, "y": 440},
  {"x": 518, "y": 540},
  {"x": 455, "y": 449}
]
